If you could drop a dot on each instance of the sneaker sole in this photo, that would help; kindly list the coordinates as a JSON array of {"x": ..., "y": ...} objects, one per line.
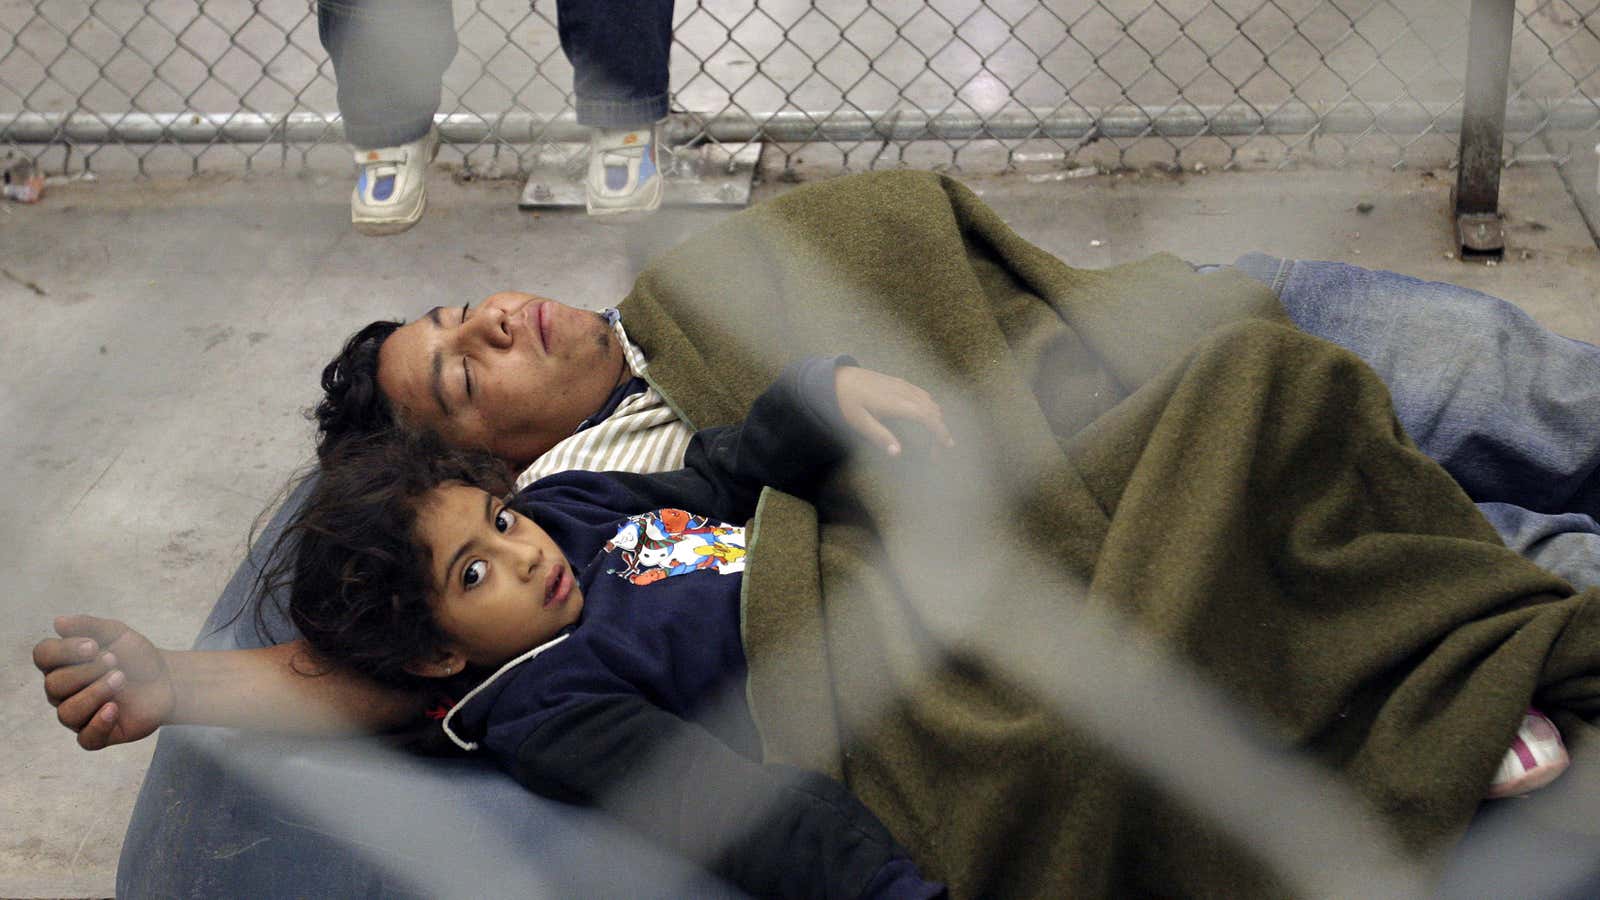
[
  {"x": 1528, "y": 783},
  {"x": 381, "y": 227},
  {"x": 651, "y": 204}
]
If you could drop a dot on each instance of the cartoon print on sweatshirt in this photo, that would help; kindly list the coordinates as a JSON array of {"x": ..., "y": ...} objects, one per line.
[{"x": 667, "y": 542}]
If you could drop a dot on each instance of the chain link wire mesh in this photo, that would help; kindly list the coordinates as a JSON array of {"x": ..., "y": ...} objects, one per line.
[
  {"x": 223, "y": 85},
  {"x": 972, "y": 85}
]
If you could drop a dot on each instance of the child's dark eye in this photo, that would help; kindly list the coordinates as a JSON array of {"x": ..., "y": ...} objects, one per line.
[
  {"x": 474, "y": 573},
  {"x": 504, "y": 519}
]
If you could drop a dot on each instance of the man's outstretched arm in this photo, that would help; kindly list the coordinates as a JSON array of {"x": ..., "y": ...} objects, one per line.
[{"x": 110, "y": 685}]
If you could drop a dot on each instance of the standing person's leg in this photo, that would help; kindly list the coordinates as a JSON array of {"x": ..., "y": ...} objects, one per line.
[
  {"x": 1509, "y": 408},
  {"x": 619, "y": 51},
  {"x": 389, "y": 58}
]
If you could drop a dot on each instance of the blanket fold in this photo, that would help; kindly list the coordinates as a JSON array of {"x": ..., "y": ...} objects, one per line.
[{"x": 1143, "y": 442}]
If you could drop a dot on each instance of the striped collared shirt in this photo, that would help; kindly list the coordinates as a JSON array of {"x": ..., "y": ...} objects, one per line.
[{"x": 643, "y": 434}]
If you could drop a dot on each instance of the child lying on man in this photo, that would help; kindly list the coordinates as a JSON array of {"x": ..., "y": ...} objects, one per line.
[{"x": 591, "y": 625}]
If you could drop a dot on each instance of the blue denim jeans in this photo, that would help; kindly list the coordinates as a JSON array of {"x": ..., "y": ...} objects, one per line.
[
  {"x": 389, "y": 58},
  {"x": 1510, "y": 409}
]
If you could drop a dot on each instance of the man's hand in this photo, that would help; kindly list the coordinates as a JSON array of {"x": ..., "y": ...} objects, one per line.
[
  {"x": 107, "y": 682},
  {"x": 867, "y": 397}
]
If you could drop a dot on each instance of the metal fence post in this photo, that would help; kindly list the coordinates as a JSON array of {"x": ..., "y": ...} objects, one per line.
[{"x": 1483, "y": 117}]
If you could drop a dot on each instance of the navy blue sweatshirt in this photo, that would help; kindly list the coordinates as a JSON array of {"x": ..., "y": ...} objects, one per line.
[{"x": 639, "y": 707}]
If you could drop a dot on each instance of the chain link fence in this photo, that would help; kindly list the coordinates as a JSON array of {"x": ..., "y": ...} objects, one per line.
[{"x": 973, "y": 85}]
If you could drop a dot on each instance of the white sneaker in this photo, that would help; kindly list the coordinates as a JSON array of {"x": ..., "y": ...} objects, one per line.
[
  {"x": 623, "y": 174},
  {"x": 391, "y": 189}
]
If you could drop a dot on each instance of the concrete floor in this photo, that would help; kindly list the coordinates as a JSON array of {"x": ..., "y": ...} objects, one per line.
[{"x": 163, "y": 338}]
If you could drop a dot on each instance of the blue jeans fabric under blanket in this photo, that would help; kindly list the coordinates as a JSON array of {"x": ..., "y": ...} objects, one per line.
[{"x": 1509, "y": 408}]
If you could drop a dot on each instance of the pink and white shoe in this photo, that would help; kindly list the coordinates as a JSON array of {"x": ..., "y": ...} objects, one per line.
[{"x": 1537, "y": 756}]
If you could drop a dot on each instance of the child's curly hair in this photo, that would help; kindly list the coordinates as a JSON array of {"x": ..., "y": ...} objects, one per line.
[{"x": 356, "y": 572}]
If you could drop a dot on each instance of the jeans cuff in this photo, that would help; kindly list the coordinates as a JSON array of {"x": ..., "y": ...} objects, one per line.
[
  {"x": 621, "y": 113},
  {"x": 372, "y": 135},
  {"x": 1269, "y": 270}
]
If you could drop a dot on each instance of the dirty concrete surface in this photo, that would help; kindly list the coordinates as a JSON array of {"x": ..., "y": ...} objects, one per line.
[{"x": 163, "y": 339}]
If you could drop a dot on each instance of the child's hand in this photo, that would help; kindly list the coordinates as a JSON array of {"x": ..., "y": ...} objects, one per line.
[
  {"x": 107, "y": 682},
  {"x": 866, "y": 397}
]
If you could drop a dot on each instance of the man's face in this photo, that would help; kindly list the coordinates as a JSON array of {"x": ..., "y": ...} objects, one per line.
[{"x": 512, "y": 375}]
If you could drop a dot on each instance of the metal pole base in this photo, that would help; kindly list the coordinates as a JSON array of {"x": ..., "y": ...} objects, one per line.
[{"x": 1481, "y": 235}]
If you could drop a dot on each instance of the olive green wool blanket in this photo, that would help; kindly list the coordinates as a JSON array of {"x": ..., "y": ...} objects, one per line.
[{"x": 1141, "y": 443}]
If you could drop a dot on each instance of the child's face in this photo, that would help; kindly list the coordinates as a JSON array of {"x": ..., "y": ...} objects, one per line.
[{"x": 501, "y": 585}]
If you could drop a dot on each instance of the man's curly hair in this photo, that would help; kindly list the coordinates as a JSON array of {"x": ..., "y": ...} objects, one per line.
[{"x": 352, "y": 405}]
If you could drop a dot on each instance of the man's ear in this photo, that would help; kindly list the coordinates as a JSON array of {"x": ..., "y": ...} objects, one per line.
[{"x": 442, "y": 663}]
